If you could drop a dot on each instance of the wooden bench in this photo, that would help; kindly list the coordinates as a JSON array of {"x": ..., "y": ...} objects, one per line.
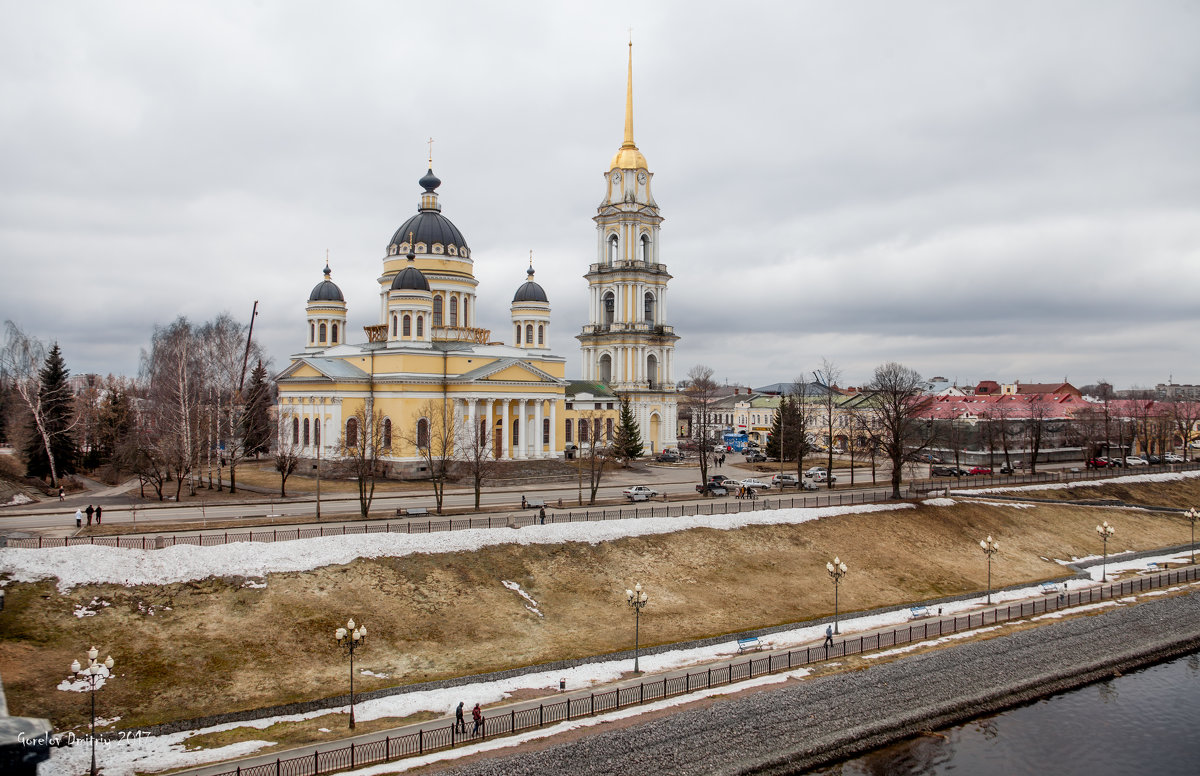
[
  {"x": 410, "y": 511},
  {"x": 1050, "y": 588},
  {"x": 535, "y": 503},
  {"x": 747, "y": 643},
  {"x": 918, "y": 612}
]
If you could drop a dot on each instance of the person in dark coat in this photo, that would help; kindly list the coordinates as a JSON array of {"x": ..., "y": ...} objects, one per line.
[
  {"x": 90, "y": 510},
  {"x": 459, "y": 722},
  {"x": 477, "y": 715},
  {"x": 542, "y": 515},
  {"x": 62, "y": 494},
  {"x": 99, "y": 509}
]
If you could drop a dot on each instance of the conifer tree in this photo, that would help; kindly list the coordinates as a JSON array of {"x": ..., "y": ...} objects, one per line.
[
  {"x": 257, "y": 418},
  {"x": 53, "y": 452},
  {"x": 627, "y": 444}
]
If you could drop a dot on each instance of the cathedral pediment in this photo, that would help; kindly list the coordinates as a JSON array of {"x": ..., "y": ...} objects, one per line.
[
  {"x": 321, "y": 369},
  {"x": 508, "y": 370}
]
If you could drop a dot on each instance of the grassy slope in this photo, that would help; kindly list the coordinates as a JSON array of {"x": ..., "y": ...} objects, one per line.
[{"x": 221, "y": 647}]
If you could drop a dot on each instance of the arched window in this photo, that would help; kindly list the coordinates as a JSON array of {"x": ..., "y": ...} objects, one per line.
[
  {"x": 312, "y": 332},
  {"x": 649, "y": 304},
  {"x": 334, "y": 338},
  {"x": 646, "y": 248},
  {"x": 652, "y": 370},
  {"x": 612, "y": 249},
  {"x": 596, "y": 431},
  {"x": 423, "y": 433},
  {"x": 529, "y": 334},
  {"x": 323, "y": 333},
  {"x": 393, "y": 324},
  {"x": 306, "y": 432},
  {"x": 608, "y": 430},
  {"x": 583, "y": 429},
  {"x": 610, "y": 304},
  {"x": 569, "y": 428},
  {"x": 407, "y": 326},
  {"x": 352, "y": 432},
  {"x": 466, "y": 320},
  {"x": 517, "y": 336},
  {"x": 516, "y": 432},
  {"x": 317, "y": 433},
  {"x": 541, "y": 334},
  {"x": 420, "y": 325},
  {"x": 606, "y": 368},
  {"x": 545, "y": 431},
  {"x": 387, "y": 431},
  {"x": 453, "y": 311},
  {"x": 437, "y": 310},
  {"x": 295, "y": 431}
]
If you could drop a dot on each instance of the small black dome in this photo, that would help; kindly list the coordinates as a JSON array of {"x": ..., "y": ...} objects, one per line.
[
  {"x": 429, "y": 181},
  {"x": 530, "y": 291},
  {"x": 410, "y": 278},
  {"x": 326, "y": 290}
]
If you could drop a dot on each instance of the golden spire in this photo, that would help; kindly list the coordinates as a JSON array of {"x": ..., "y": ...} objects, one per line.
[{"x": 629, "y": 157}]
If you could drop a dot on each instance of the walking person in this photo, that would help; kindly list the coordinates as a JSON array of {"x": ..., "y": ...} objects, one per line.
[
  {"x": 78, "y": 518},
  {"x": 62, "y": 494},
  {"x": 522, "y": 502},
  {"x": 828, "y": 638},
  {"x": 99, "y": 509},
  {"x": 542, "y": 515},
  {"x": 90, "y": 510},
  {"x": 477, "y": 715},
  {"x": 459, "y": 722}
]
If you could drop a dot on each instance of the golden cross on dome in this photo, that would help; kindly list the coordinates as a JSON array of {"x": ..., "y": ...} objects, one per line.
[{"x": 431, "y": 153}]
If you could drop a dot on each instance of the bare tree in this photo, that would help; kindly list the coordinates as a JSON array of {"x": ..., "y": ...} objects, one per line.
[
  {"x": 898, "y": 405},
  {"x": 596, "y": 454},
  {"x": 1039, "y": 414},
  {"x": 361, "y": 448},
  {"x": 828, "y": 376},
  {"x": 699, "y": 399},
  {"x": 287, "y": 460},
  {"x": 433, "y": 432},
  {"x": 474, "y": 448},
  {"x": 1184, "y": 415},
  {"x": 20, "y": 363}
]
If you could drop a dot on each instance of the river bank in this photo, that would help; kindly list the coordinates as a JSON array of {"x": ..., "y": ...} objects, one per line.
[{"x": 816, "y": 721}]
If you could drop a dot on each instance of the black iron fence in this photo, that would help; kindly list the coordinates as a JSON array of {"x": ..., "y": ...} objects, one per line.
[
  {"x": 721, "y": 506},
  {"x": 446, "y": 736}
]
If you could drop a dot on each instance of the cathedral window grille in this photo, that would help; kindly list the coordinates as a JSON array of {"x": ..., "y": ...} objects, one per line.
[
  {"x": 334, "y": 339},
  {"x": 387, "y": 433},
  {"x": 541, "y": 335},
  {"x": 423, "y": 433},
  {"x": 306, "y": 432},
  {"x": 453, "y": 311},
  {"x": 420, "y": 325},
  {"x": 407, "y": 326},
  {"x": 437, "y": 310},
  {"x": 545, "y": 431},
  {"x": 312, "y": 333},
  {"x": 529, "y": 334},
  {"x": 352, "y": 432},
  {"x": 570, "y": 425},
  {"x": 295, "y": 431},
  {"x": 583, "y": 431},
  {"x": 516, "y": 432},
  {"x": 595, "y": 430},
  {"x": 608, "y": 430},
  {"x": 517, "y": 336},
  {"x": 649, "y": 303},
  {"x": 466, "y": 319},
  {"x": 323, "y": 332},
  {"x": 610, "y": 305},
  {"x": 393, "y": 324}
]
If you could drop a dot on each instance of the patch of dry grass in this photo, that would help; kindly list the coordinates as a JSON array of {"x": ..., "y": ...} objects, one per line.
[{"x": 213, "y": 645}]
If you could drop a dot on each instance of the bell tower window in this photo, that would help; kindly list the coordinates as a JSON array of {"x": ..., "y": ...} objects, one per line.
[
  {"x": 646, "y": 248},
  {"x": 612, "y": 249},
  {"x": 610, "y": 303},
  {"x": 649, "y": 307},
  {"x": 606, "y": 368}
]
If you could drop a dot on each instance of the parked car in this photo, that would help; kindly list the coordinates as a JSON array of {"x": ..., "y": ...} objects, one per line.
[
  {"x": 717, "y": 479},
  {"x": 1110, "y": 461},
  {"x": 1154, "y": 460},
  {"x": 755, "y": 457},
  {"x": 1136, "y": 460},
  {"x": 1097, "y": 463},
  {"x": 980, "y": 470},
  {"x": 809, "y": 485},
  {"x": 1007, "y": 469},
  {"x": 1172, "y": 458},
  {"x": 823, "y": 476},
  {"x": 750, "y": 482},
  {"x": 713, "y": 489},
  {"x": 944, "y": 471},
  {"x": 640, "y": 493},
  {"x": 814, "y": 470},
  {"x": 669, "y": 456},
  {"x": 782, "y": 481}
]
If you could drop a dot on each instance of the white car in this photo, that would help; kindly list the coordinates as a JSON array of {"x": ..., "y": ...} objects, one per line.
[
  {"x": 1134, "y": 460},
  {"x": 819, "y": 474},
  {"x": 640, "y": 493},
  {"x": 750, "y": 482},
  {"x": 782, "y": 481},
  {"x": 1172, "y": 458}
]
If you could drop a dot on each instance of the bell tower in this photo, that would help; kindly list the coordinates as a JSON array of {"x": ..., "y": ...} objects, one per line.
[{"x": 627, "y": 342}]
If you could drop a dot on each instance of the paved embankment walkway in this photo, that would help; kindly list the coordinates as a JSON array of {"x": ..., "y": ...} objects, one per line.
[{"x": 802, "y": 725}]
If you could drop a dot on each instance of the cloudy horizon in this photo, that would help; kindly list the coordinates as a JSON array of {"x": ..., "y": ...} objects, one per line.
[{"x": 980, "y": 190}]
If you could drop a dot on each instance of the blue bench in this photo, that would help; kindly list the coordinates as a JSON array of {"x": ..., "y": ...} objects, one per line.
[
  {"x": 918, "y": 612},
  {"x": 747, "y": 643}
]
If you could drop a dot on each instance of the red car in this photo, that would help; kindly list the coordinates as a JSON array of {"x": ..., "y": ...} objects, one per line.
[
  {"x": 980, "y": 470},
  {"x": 1096, "y": 463}
]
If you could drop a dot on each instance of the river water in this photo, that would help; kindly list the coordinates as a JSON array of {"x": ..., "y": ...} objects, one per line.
[{"x": 1147, "y": 722}]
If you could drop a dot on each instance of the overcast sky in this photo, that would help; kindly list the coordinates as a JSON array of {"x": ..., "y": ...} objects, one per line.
[{"x": 979, "y": 190}]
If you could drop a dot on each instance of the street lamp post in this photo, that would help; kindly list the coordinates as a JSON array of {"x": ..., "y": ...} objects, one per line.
[
  {"x": 836, "y": 570},
  {"x": 637, "y": 599},
  {"x": 989, "y": 548},
  {"x": 1192, "y": 515},
  {"x": 349, "y": 639},
  {"x": 1106, "y": 531},
  {"x": 94, "y": 672}
]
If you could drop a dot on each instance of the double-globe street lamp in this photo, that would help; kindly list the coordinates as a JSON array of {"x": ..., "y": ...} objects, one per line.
[
  {"x": 1191, "y": 516},
  {"x": 637, "y": 599},
  {"x": 836, "y": 570},
  {"x": 93, "y": 673},
  {"x": 349, "y": 639},
  {"x": 1106, "y": 531},
  {"x": 989, "y": 548}
]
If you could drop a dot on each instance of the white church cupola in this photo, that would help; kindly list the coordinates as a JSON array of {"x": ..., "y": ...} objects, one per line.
[
  {"x": 531, "y": 314},
  {"x": 326, "y": 311}
]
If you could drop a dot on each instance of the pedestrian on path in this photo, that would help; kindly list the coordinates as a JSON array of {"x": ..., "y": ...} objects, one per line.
[
  {"x": 89, "y": 512},
  {"x": 542, "y": 515},
  {"x": 78, "y": 518},
  {"x": 828, "y": 637},
  {"x": 477, "y": 715},
  {"x": 62, "y": 494},
  {"x": 459, "y": 722},
  {"x": 99, "y": 509},
  {"x": 522, "y": 502}
]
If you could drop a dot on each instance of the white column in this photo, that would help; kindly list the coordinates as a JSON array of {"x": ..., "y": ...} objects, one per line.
[
  {"x": 472, "y": 435},
  {"x": 505, "y": 432},
  {"x": 522, "y": 436},
  {"x": 491, "y": 425},
  {"x": 662, "y": 304},
  {"x": 538, "y": 449},
  {"x": 553, "y": 451}
]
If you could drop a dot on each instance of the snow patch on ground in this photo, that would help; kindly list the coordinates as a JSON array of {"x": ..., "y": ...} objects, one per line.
[
  {"x": 254, "y": 584},
  {"x": 89, "y": 609},
  {"x": 18, "y": 498},
  {"x": 939, "y": 502},
  {"x": 365, "y": 672},
  {"x": 77, "y": 684},
  {"x": 1163, "y": 477},
  {"x": 532, "y": 605}
]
